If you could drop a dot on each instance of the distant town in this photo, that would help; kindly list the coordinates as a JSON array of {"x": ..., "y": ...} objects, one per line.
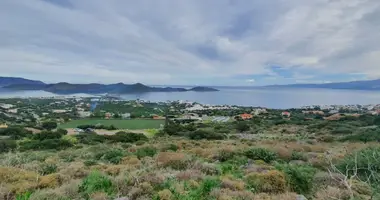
[{"x": 63, "y": 109}]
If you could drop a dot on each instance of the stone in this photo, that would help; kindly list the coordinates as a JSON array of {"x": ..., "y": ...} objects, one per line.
[
  {"x": 301, "y": 197},
  {"x": 122, "y": 198}
]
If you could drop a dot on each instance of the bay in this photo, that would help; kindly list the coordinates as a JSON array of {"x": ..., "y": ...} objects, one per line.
[{"x": 270, "y": 98}]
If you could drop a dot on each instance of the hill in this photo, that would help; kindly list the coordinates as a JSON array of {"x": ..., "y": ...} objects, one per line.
[
  {"x": 353, "y": 85},
  {"x": 5, "y": 81},
  {"x": 95, "y": 88}
]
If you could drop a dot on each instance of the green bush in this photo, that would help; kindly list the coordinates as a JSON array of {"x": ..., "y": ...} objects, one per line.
[
  {"x": 127, "y": 137},
  {"x": 225, "y": 155},
  {"x": 342, "y": 130},
  {"x": 367, "y": 163},
  {"x": 49, "y": 125},
  {"x": 202, "y": 134},
  {"x": 45, "y": 135},
  {"x": 47, "y": 168},
  {"x": 96, "y": 182},
  {"x": 261, "y": 154},
  {"x": 113, "y": 156},
  {"x": 91, "y": 139},
  {"x": 7, "y": 145},
  {"x": 242, "y": 126},
  {"x": 171, "y": 147},
  {"x": 368, "y": 136},
  {"x": 15, "y": 132},
  {"x": 298, "y": 156},
  {"x": 299, "y": 177},
  {"x": 140, "y": 142},
  {"x": 61, "y": 131},
  {"x": 271, "y": 181},
  {"x": 89, "y": 163},
  {"x": 146, "y": 152},
  {"x": 57, "y": 144}
]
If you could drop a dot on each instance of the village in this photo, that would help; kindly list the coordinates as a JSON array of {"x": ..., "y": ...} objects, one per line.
[{"x": 67, "y": 110}]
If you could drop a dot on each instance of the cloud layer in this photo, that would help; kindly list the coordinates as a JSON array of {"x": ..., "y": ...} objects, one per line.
[{"x": 213, "y": 42}]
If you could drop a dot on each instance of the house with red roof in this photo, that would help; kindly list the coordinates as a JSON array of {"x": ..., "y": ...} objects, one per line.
[{"x": 285, "y": 114}]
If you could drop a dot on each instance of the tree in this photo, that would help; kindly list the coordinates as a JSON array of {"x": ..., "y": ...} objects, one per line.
[
  {"x": 242, "y": 126},
  {"x": 49, "y": 125},
  {"x": 376, "y": 121}
]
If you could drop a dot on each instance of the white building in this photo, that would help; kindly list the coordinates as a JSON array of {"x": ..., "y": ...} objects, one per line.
[{"x": 126, "y": 115}]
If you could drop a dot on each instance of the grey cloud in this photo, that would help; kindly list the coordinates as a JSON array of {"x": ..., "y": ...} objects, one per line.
[{"x": 174, "y": 42}]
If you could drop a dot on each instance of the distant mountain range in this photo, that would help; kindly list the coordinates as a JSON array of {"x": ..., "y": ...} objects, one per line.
[
  {"x": 5, "y": 81},
  {"x": 353, "y": 85},
  {"x": 18, "y": 84}
]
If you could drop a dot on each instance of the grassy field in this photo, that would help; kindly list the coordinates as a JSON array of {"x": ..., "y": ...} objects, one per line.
[{"x": 132, "y": 124}]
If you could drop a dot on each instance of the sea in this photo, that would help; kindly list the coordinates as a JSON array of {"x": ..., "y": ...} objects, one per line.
[{"x": 258, "y": 97}]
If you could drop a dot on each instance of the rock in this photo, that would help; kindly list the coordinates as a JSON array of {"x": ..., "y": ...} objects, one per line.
[{"x": 301, "y": 197}]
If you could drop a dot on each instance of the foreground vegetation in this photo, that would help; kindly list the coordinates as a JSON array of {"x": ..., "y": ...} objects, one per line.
[
  {"x": 193, "y": 161},
  {"x": 269, "y": 157}
]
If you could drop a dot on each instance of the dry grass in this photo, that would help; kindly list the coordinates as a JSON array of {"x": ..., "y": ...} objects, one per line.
[
  {"x": 272, "y": 181},
  {"x": 232, "y": 184},
  {"x": 174, "y": 160},
  {"x": 50, "y": 181},
  {"x": 332, "y": 193},
  {"x": 190, "y": 174},
  {"x": 75, "y": 170},
  {"x": 18, "y": 180},
  {"x": 132, "y": 161},
  {"x": 165, "y": 194}
]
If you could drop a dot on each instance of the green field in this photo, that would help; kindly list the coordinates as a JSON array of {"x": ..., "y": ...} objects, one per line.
[{"x": 132, "y": 124}]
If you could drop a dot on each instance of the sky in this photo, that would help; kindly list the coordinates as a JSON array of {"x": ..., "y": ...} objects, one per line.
[{"x": 190, "y": 42}]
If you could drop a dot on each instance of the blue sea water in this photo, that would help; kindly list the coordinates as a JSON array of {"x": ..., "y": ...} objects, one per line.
[{"x": 270, "y": 98}]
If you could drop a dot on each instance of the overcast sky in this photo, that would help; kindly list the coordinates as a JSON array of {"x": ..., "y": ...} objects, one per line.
[{"x": 189, "y": 42}]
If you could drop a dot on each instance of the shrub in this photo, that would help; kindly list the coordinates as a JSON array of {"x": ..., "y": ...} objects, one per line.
[
  {"x": 272, "y": 181},
  {"x": 226, "y": 154},
  {"x": 175, "y": 160},
  {"x": 299, "y": 177},
  {"x": 127, "y": 137},
  {"x": 242, "y": 126},
  {"x": 298, "y": 156},
  {"x": 232, "y": 184},
  {"x": 70, "y": 138},
  {"x": 47, "y": 168},
  {"x": 368, "y": 136},
  {"x": 202, "y": 134},
  {"x": 261, "y": 154},
  {"x": 61, "y": 131},
  {"x": 342, "y": 130},
  {"x": 113, "y": 156},
  {"x": 140, "y": 143},
  {"x": 15, "y": 132},
  {"x": 7, "y": 145},
  {"x": 165, "y": 194},
  {"x": 49, "y": 181},
  {"x": 96, "y": 182},
  {"x": 24, "y": 196},
  {"x": 45, "y": 135},
  {"x": 367, "y": 163},
  {"x": 50, "y": 125},
  {"x": 89, "y": 163},
  {"x": 171, "y": 147},
  {"x": 90, "y": 138},
  {"x": 146, "y": 151},
  {"x": 17, "y": 180},
  {"x": 57, "y": 144}
]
